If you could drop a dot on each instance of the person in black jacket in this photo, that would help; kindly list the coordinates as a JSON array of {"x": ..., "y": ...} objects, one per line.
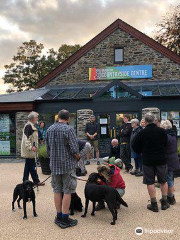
[
  {"x": 137, "y": 157},
  {"x": 174, "y": 128},
  {"x": 151, "y": 142},
  {"x": 92, "y": 131},
  {"x": 125, "y": 152},
  {"x": 114, "y": 153},
  {"x": 172, "y": 159},
  {"x": 115, "y": 149}
]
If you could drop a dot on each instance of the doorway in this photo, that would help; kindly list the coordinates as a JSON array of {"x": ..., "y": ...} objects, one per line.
[{"x": 109, "y": 126}]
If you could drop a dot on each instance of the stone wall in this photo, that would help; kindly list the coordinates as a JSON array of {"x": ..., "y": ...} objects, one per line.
[
  {"x": 154, "y": 111},
  {"x": 21, "y": 119},
  {"x": 102, "y": 55},
  {"x": 82, "y": 118}
]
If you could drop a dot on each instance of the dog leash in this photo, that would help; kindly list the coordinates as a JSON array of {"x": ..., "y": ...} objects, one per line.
[
  {"x": 78, "y": 178},
  {"x": 42, "y": 182}
]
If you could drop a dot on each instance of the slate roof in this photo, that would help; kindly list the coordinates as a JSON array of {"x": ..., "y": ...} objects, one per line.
[
  {"x": 26, "y": 96},
  {"x": 90, "y": 91}
]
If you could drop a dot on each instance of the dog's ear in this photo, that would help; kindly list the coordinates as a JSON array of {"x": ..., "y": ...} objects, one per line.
[{"x": 93, "y": 177}]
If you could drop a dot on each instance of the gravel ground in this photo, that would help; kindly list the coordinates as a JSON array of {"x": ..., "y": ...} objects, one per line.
[{"x": 12, "y": 226}]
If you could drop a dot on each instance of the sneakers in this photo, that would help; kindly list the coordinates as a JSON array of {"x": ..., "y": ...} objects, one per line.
[
  {"x": 100, "y": 206},
  {"x": 98, "y": 162},
  {"x": 134, "y": 172},
  {"x": 164, "y": 204},
  {"x": 128, "y": 170},
  {"x": 139, "y": 174},
  {"x": 153, "y": 207},
  {"x": 171, "y": 200},
  {"x": 65, "y": 222}
]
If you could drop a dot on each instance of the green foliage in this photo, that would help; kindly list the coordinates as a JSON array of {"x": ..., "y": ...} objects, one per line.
[
  {"x": 169, "y": 30},
  {"x": 179, "y": 150},
  {"x": 30, "y": 64},
  {"x": 42, "y": 151}
]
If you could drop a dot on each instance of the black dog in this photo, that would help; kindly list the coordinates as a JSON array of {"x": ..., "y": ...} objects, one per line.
[
  {"x": 24, "y": 191},
  {"x": 96, "y": 193},
  {"x": 76, "y": 203}
]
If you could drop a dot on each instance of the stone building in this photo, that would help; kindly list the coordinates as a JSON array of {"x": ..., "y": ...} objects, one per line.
[{"x": 119, "y": 71}]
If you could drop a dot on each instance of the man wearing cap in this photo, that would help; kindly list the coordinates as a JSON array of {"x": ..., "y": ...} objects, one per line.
[
  {"x": 91, "y": 131},
  {"x": 29, "y": 146}
]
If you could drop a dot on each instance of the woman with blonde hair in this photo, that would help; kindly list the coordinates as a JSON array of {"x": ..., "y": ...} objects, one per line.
[{"x": 172, "y": 159}]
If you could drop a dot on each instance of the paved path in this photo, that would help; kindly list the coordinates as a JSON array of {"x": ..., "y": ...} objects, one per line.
[{"x": 12, "y": 226}]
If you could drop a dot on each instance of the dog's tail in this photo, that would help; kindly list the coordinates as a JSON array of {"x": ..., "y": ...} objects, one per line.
[{"x": 120, "y": 200}]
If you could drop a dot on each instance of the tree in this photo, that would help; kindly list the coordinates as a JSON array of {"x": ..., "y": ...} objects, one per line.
[
  {"x": 30, "y": 64},
  {"x": 169, "y": 30}
]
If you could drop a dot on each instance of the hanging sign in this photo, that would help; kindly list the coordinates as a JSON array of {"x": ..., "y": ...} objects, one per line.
[{"x": 125, "y": 72}]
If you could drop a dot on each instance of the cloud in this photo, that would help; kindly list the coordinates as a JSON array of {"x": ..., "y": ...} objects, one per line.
[{"x": 56, "y": 22}]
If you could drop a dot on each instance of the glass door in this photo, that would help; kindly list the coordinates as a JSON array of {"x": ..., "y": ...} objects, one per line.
[
  {"x": 116, "y": 122},
  {"x": 109, "y": 125}
]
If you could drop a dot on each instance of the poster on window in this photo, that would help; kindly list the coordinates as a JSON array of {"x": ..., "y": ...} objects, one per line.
[
  {"x": 164, "y": 115},
  {"x": 4, "y": 147},
  {"x": 178, "y": 131},
  {"x": 103, "y": 130},
  {"x": 103, "y": 120},
  {"x": 4, "y": 123},
  {"x": 173, "y": 115},
  {"x": 176, "y": 123}
]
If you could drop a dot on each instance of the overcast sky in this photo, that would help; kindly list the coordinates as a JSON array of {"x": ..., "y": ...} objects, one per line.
[{"x": 54, "y": 22}]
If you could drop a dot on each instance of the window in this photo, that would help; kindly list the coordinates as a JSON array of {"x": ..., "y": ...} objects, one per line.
[
  {"x": 7, "y": 135},
  {"x": 118, "y": 55},
  {"x": 116, "y": 93}
]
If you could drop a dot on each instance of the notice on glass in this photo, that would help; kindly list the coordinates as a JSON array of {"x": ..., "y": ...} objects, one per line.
[
  {"x": 4, "y": 147},
  {"x": 103, "y": 120},
  {"x": 176, "y": 123},
  {"x": 164, "y": 115},
  {"x": 103, "y": 130},
  {"x": 4, "y": 123},
  {"x": 178, "y": 131}
]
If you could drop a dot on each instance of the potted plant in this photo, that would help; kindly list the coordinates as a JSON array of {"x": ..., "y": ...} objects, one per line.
[{"x": 44, "y": 159}]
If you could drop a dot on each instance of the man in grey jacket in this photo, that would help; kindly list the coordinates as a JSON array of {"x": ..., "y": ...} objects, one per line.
[{"x": 29, "y": 147}]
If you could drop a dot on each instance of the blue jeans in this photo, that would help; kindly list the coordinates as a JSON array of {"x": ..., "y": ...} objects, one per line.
[
  {"x": 138, "y": 162},
  {"x": 170, "y": 178},
  {"x": 30, "y": 167}
]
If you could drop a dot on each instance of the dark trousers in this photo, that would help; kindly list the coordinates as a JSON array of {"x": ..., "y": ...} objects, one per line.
[
  {"x": 30, "y": 167},
  {"x": 138, "y": 163},
  {"x": 125, "y": 155}
]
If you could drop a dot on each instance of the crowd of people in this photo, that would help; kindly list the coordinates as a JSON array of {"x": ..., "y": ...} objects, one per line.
[{"x": 150, "y": 142}]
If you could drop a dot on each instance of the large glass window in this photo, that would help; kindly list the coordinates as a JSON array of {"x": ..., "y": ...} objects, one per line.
[
  {"x": 174, "y": 116},
  {"x": 116, "y": 93},
  {"x": 7, "y": 135},
  {"x": 119, "y": 117},
  {"x": 150, "y": 90}
]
